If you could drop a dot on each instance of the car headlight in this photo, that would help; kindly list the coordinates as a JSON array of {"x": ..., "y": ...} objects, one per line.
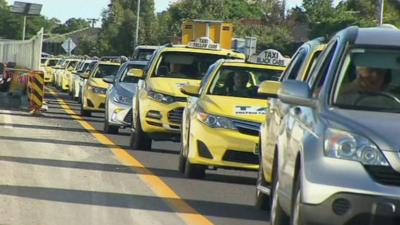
[
  {"x": 125, "y": 100},
  {"x": 345, "y": 145},
  {"x": 214, "y": 121},
  {"x": 98, "y": 90},
  {"x": 163, "y": 98}
]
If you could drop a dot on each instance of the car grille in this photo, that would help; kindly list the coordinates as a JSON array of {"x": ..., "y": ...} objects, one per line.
[
  {"x": 240, "y": 157},
  {"x": 175, "y": 116},
  {"x": 128, "y": 117},
  {"x": 384, "y": 175},
  {"x": 245, "y": 127}
]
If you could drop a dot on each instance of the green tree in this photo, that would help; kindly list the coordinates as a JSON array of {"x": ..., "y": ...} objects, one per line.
[{"x": 70, "y": 25}]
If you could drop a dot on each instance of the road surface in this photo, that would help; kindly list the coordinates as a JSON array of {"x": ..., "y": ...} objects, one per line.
[{"x": 61, "y": 169}]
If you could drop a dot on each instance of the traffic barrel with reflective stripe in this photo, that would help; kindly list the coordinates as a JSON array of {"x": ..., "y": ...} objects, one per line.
[{"x": 36, "y": 87}]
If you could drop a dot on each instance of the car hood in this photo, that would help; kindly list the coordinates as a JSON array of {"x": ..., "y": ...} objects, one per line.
[
  {"x": 126, "y": 89},
  {"x": 170, "y": 86},
  {"x": 233, "y": 107},
  {"x": 98, "y": 82},
  {"x": 381, "y": 127}
]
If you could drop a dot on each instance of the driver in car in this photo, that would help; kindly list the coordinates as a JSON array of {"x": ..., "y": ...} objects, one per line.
[
  {"x": 239, "y": 87},
  {"x": 368, "y": 81}
]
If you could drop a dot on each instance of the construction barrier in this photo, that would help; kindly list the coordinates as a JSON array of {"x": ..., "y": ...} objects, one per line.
[
  {"x": 36, "y": 90},
  {"x": 14, "y": 87}
]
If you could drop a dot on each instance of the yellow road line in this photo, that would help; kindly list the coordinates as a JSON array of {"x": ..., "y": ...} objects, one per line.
[{"x": 156, "y": 184}]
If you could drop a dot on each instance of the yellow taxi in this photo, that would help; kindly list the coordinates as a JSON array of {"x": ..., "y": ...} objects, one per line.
[
  {"x": 94, "y": 91},
  {"x": 65, "y": 75},
  {"x": 48, "y": 64},
  {"x": 158, "y": 103},
  {"x": 221, "y": 123}
]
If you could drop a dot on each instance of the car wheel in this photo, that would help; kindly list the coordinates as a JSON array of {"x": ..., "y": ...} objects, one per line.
[
  {"x": 277, "y": 215},
  {"x": 296, "y": 217},
  {"x": 262, "y": 200},
  {"x": 194, "y": 171},
  {"x": 85, "y": 112},
  {"x": 139, "y": 139},
  {"x": 109, "y": 129},
  {"x": 182, "y": 161}
]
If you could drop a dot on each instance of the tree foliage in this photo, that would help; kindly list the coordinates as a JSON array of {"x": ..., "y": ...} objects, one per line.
[{"x": 275, "y": 27}]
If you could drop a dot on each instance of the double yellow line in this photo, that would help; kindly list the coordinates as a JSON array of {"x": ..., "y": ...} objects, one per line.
[{"x": 188, "y": 214}]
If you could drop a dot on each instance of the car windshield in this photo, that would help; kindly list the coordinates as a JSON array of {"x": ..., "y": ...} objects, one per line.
[
  {"x": 106, "y": 70},
  {"x": 83, "y": 67},
  {"x": 43, "y": 61},
  {"x": 129, "y": 79},
  {"x": 369, "y": 80},
  {"x": 185, "y": 65},
  {"x": 72, "y": 64},
  {"x": 52, "y": 62},
  {"x": 241, "y": 81}
]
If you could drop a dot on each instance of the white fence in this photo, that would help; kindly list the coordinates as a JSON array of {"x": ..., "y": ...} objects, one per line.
[{"x": 24, "y": 53}]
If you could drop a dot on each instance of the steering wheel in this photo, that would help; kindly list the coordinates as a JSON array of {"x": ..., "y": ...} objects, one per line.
[{"x": 385, "y": 94}]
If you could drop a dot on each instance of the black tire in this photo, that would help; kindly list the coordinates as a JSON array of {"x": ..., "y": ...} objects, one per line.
[
  {"x": 263, "y": 201},
  {"x": 194, "y": 171},
  {"x": 109, "y": 129},
  {"x": 281, "y": 218},
  {"x": 296, "y": 217},
  {"x": 182, "y": 162},
  {"x": 139, "y": 139},
  {"x": 85, "y": 112}
]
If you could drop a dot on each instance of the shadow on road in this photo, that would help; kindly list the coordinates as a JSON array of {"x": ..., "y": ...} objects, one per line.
[{"x": 133, "y": 201}]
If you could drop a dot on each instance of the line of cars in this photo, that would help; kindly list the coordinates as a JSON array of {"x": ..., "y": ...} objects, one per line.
[{"x": 321, "y": 132}]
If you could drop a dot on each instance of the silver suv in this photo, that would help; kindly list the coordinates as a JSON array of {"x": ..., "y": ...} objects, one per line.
[{"x": 337, "y": 155}]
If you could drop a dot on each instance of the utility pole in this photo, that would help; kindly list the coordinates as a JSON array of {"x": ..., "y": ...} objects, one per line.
[
  {"x": 137, "y": 24},
  {"x": 92, "y": 21},
  {"x": 380, "y": 10},
  {"x": 24, "y": 29}
]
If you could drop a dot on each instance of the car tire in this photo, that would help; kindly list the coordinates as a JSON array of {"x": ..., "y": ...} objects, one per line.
[
  {"x": 182, "y": 161},
  {"x": 296, "y": 217},
  {"x": 109, "y": 129},
  {"x": 263, "y": 201},
  {"x": 85, "y": 112},
  {"x": 277, "y": 214},
  {"x": 139, "y": 139},
  {"x": 194, "y": 171}
]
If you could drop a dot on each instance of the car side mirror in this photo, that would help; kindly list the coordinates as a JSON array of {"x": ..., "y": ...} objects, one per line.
[
  {"x": 269, "y": 89},
  {"x": 134, "y": 72},
  {"x": 109, "y": 79},
  {"x": 296, "y": 92},
  {"x": 191, "y": 90}
]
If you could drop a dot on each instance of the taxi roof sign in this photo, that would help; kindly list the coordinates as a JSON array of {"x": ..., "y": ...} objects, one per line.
[
  {"x": 272, "y": 57},
  {"x": 204, "y": 43}
]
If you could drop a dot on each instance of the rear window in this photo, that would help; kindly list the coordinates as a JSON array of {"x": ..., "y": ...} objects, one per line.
[
  {"x": 185, "y": 65},
  {"x": 106, "y": 70}
]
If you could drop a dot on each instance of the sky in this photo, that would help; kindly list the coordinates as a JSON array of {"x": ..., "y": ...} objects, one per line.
[{"x": 65, "y": 9}]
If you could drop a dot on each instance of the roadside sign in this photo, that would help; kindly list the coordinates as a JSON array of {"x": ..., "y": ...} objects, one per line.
[
  {"x": 272, "y": 57},
  {"x": 68, "y": 45}
]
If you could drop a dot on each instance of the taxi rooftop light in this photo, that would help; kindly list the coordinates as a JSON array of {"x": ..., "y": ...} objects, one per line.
[
  {"x": 269, "y": 57},
  {"x": 204, "y": 43}
]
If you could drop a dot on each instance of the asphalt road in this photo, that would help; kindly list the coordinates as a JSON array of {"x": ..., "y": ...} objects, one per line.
[{"x": 223, "y": 197}]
